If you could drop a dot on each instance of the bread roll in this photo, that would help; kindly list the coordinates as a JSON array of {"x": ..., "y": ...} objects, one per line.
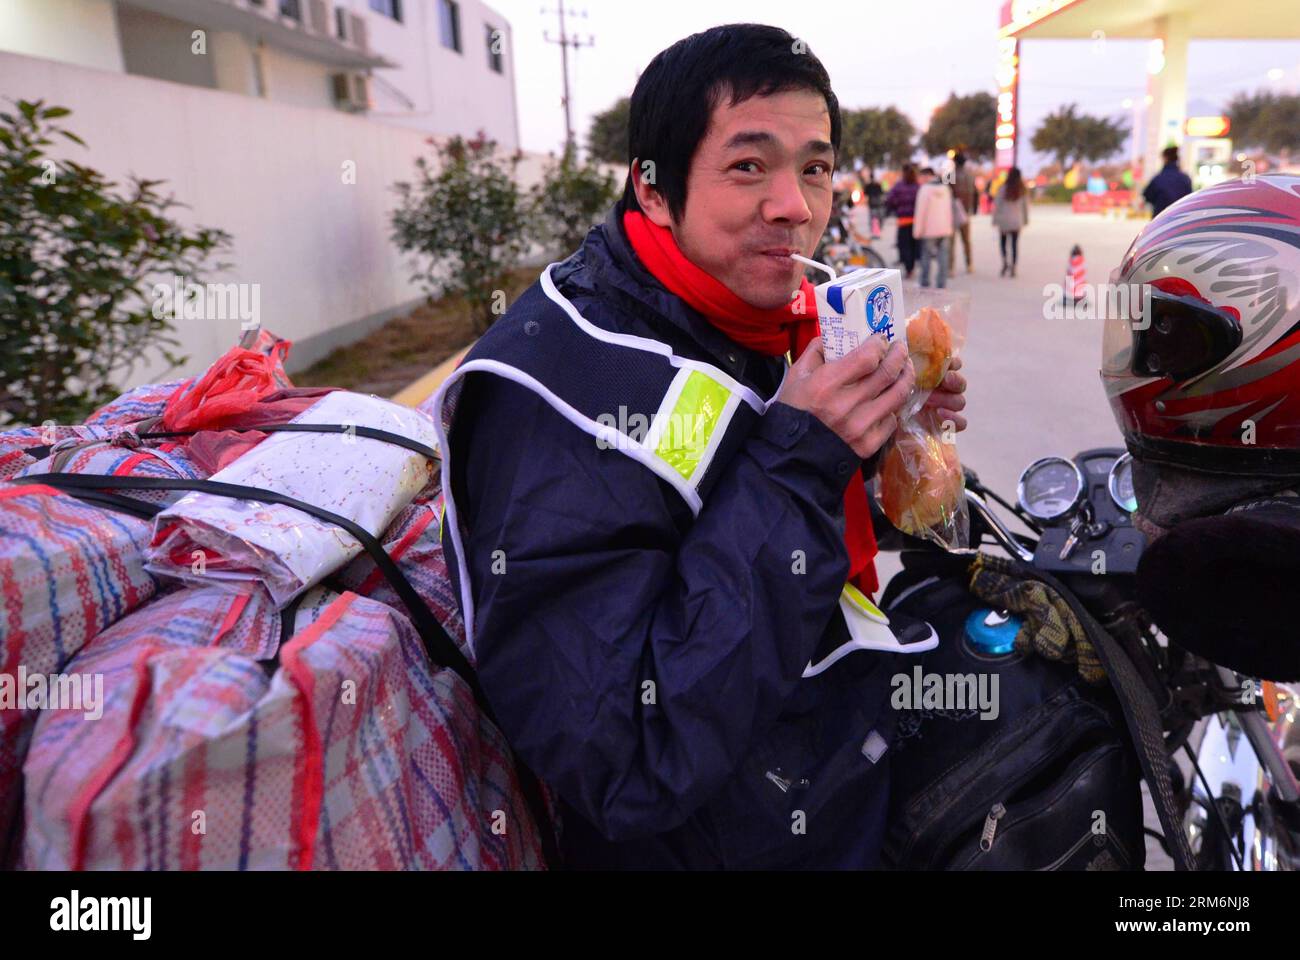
[
  {"x": 929, "y": 341},
  {"x": 920, "y": 482}
]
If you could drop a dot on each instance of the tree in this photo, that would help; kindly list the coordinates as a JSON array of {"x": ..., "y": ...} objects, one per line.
[
  {"x": 570, "y": 198},
  {"x": 467, "y": 218},
  {"x": 879, "y": 137},
  {"x": 607, "y": 138},
  {"x": 969, "y": 122},
  {"x": 1069, "y": 136},
  {"x": 1243, "y": 113},
  {"x": 1266, "y": 120},
  {"x": 1280, "y": 125},
  {"x": 75, "y": 254}
]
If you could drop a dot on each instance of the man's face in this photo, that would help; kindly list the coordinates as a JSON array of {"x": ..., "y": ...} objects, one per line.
[{"x": 759, "y": 189}]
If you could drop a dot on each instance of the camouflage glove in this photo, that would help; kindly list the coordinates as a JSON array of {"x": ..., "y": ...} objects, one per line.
[{"x": 1050, "y": 628}]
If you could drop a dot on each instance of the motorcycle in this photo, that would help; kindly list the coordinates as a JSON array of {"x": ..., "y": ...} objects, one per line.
[{"x": 1235, "y": 789}]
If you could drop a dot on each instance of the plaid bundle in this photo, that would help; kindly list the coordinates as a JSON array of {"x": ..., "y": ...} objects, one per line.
[
  {"x": 67, "y": 571},
  {"x": 216, "y": 742},
  {"x": 351, "y": 752},
  {"x": 414, "y": 540}
]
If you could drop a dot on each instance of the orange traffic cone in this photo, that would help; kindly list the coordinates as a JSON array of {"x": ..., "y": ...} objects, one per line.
[{"x": 1076, "y": 276}]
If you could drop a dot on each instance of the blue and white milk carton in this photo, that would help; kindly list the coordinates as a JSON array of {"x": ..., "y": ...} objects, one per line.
[{"x": 861, "y": 304}]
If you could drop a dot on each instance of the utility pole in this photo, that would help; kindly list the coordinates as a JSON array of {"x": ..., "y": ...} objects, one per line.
[{"x": 566, "y": 40}]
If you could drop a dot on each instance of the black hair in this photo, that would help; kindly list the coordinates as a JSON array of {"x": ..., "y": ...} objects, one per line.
[
  {"x": 1170, "y": 154},
  {"x": 909, "y": 173},
  {"x": 1015, "y": 184},
  {"x": 675, "y": 96}
]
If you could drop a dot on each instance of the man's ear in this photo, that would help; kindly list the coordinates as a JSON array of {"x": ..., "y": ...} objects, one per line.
[{"x": 651, "y": 201}]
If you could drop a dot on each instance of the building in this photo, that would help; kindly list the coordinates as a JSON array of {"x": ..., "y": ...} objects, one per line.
[
  {"x": 441, "y": 66},
  {"x": 284, "y": 122}
]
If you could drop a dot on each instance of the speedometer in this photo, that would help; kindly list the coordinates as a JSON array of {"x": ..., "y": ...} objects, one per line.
[
  {"x": 1120, "y": 484},
  {"x": 1050, "y": 488}
]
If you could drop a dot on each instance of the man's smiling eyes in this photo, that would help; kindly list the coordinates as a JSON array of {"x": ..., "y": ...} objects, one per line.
[{"x": 818, "y": 168}]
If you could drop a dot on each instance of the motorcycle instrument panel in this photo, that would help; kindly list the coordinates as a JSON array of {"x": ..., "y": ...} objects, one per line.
[
  {"x": 1086, "y": 505},
  {"x": 1050, "y": 488}
]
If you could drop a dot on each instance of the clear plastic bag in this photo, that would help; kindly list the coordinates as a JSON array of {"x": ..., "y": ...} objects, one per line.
[{"x": 919, "y": 483}]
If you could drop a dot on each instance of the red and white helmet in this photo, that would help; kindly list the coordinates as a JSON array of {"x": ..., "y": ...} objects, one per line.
[{"x": 1203, "y": 372}]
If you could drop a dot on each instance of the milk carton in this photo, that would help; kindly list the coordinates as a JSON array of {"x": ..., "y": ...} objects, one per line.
[{"x": 858, "y": 305}]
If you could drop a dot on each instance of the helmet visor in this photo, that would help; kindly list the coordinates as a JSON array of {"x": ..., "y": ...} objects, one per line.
[{"x": 1167, "y": 335}]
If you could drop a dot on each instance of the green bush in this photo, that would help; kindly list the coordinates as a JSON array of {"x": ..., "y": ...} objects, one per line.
[
  {"x": 568, "y": 201},
  {"x": 75, "y": 255},
  {"x": 464, "y": 215}
]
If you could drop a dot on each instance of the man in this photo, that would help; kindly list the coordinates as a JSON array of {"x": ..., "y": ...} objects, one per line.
[
  {"x": 1167, "y": 186},
  {"x": 933, "y": 226},
  {"x": 963, "y": 189},
  {"x": 643, "y": 609}
]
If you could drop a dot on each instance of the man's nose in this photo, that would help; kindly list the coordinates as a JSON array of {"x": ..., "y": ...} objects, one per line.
[{"x": 785, "y": 203}]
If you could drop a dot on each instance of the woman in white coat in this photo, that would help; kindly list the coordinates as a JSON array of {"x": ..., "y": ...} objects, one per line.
[{"x": 1010, "y": 216}]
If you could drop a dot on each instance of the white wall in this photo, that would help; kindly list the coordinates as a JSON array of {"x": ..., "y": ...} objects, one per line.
[
  {"x": 74, "y": 31},
  {"x": 267, "y": 172}
]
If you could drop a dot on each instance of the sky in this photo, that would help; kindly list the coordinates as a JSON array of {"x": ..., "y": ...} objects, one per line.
[{"x": 907, "y": 54}]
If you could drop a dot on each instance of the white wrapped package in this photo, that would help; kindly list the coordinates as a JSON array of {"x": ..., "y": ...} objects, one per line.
[{"x": 204, "y": 537}]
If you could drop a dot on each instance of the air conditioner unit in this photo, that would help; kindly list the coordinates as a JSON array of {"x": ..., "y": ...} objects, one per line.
[
  {"x": 318, "y": 17},
  {"x": 357, "y": 33},
  {"x": 351, "y": 90}
]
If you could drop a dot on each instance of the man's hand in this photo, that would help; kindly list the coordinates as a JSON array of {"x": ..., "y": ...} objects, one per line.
[
  {"x": 949, "y": 397},
  {"x": 857, "y": 396}
]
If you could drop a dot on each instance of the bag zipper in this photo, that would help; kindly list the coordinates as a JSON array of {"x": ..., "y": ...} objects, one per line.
[{"x": 991, "y": 826}]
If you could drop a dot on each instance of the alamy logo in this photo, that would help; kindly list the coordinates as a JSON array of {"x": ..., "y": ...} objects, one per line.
[
  {"x": 685, "y": 432},
  {"x": 880, "y": 311},
  {"x": 133, "y": 914},
  {"x": 183, "y": 300},
  {"x": 55, "y": 691},
  {"x": 946, "y": 691}
]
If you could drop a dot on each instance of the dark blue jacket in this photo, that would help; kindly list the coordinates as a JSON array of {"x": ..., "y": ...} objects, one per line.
[
  {"x": 644, "y": 662},
  {"x": 1167, "y": 186}
]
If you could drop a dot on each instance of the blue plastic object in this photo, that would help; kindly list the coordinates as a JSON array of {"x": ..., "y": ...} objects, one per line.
[{"x": 992, "y": 632}]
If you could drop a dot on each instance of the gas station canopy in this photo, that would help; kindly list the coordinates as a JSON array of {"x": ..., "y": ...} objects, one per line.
[
  {"x": 1168, "y": 26},
  {"x": 1138, "y": 19}
]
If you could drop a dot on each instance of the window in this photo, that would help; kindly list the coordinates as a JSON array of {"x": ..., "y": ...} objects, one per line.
[
  {"x": 341, "y": 23},
  {"x": 449, "y": 21},
  {"x": 291, "y": 9},
  {"x": 389, "y": 8},
  {"x": 496, "y": 40}
]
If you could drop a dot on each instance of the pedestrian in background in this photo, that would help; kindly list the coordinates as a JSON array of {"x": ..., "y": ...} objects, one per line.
[
  {"x": 933, "y": 226},
  {"x": 1010, "y": 216},
  {"x": 1167, "y": 186},
  {"x": 875, "y": 195},
  {"x": 963, "y": 188},
  {"x": 901, "y": 202}
]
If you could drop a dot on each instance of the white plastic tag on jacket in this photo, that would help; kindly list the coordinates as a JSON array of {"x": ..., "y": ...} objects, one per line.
[{"x": 868, "y": 630}]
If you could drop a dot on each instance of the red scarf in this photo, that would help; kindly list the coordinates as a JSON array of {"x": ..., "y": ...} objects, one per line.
[{"x": 769, "y": 332}]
